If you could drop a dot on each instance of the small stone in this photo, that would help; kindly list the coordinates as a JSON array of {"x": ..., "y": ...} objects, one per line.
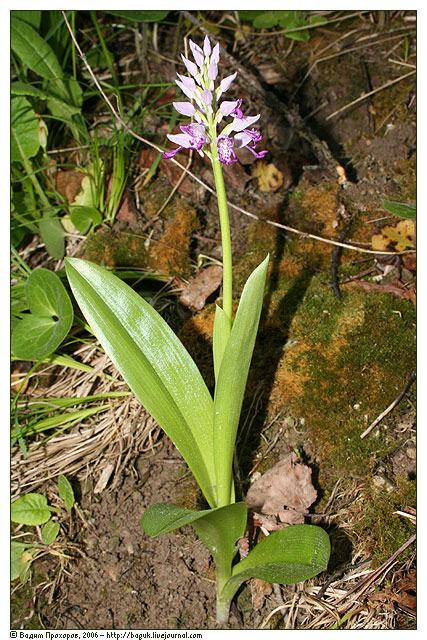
[
  {"x": 411, "y": 452},
  {"x": 378, "y": 481}
]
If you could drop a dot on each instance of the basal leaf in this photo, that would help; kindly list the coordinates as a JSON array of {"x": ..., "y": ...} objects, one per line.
[
  {"x": 163, "y": 517},
  {"x": 219, "y": 530},
  {"x": 287, "y": 556},
  {"x": 153, "y": 361},
  {"x": 30, "y": 509},
  {"x": 232, "y": 378}
]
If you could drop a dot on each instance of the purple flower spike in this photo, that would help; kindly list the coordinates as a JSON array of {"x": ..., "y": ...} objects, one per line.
[
  {"x": 225, "y": 150},
  {"x": 206, "y": 46},
  {"x": 197, "y": 54},
  {"x": 185, "y": 108},
  {"x": 190, "y": 66}
]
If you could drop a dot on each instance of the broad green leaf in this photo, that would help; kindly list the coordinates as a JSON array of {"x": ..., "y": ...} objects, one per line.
[
  {"x": 265, "y": 20},
  {"x": 219, "y": 530},
  {"x": 141, "y": 16},
  {"x": 232, "y": 378},
  {"x": 31, "y": 17},
  {"x": 407, "y": 210},
  {"x": 221, "y": 333},
  {"x": 20, "y": 559},
  {"x": 83, "y": 217},
  {"x": 52, "y": 234},
  {"x": 50, "y": 531},
  {"x": 250, "y": 14},
  {"x": 24, "y": 141},
  {"x": 30, "y": 509},
  {"x": 42, "y": 331},
  {"x": 66, "y": 492},
  {"x": 33, "y": 50},
  {"x": 287, "y": 556},
  {"x": 163, "y": 517},
  {"x": 153, "y": 361},
  {"x": 317, "y": 20}
]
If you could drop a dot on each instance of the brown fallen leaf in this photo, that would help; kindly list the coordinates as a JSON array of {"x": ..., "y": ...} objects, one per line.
[
  {"x": 68, "y": 183},
  {"x": 283, "y": 494},
  {"x": 201, "y": 287}
]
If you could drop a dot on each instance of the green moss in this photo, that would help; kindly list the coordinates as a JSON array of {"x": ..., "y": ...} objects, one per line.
[
  {"x": 114, "y": 248},
  {"x": 378, "y": 523}
]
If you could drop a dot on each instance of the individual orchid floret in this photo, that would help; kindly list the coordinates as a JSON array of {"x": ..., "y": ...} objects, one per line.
[
  {"x": 208, "y": 112},
  {"x": 226, "y": 152},
  {"x": 193, "y": 136}
]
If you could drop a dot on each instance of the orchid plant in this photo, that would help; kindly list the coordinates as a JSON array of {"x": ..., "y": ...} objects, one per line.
[{"x": 165, "y": 378}]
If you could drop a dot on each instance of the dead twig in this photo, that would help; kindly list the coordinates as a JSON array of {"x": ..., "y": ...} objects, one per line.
[{"x": 390, "y": 407}]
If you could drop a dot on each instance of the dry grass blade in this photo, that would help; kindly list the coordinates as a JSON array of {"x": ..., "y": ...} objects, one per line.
[{"x": 125, "y": 428}]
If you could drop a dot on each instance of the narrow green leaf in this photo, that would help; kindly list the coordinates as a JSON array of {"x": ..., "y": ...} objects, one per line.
[
  {"x": 153, "y": 361},
  {"x": 221, "y": 333},
  {"x": 407, "y": 210},
  {"x": 291, "y": 555},
  {"x": 50, "y": 532},
  {"x": 30, "y": 509},
  {"x": 232, "y": 378},
  {"x": 66, "y": 492},
  {"x": 62, "y": 419}
]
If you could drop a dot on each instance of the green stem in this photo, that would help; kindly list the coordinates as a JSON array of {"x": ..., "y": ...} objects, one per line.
[{"x": 227, "y": 267}]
